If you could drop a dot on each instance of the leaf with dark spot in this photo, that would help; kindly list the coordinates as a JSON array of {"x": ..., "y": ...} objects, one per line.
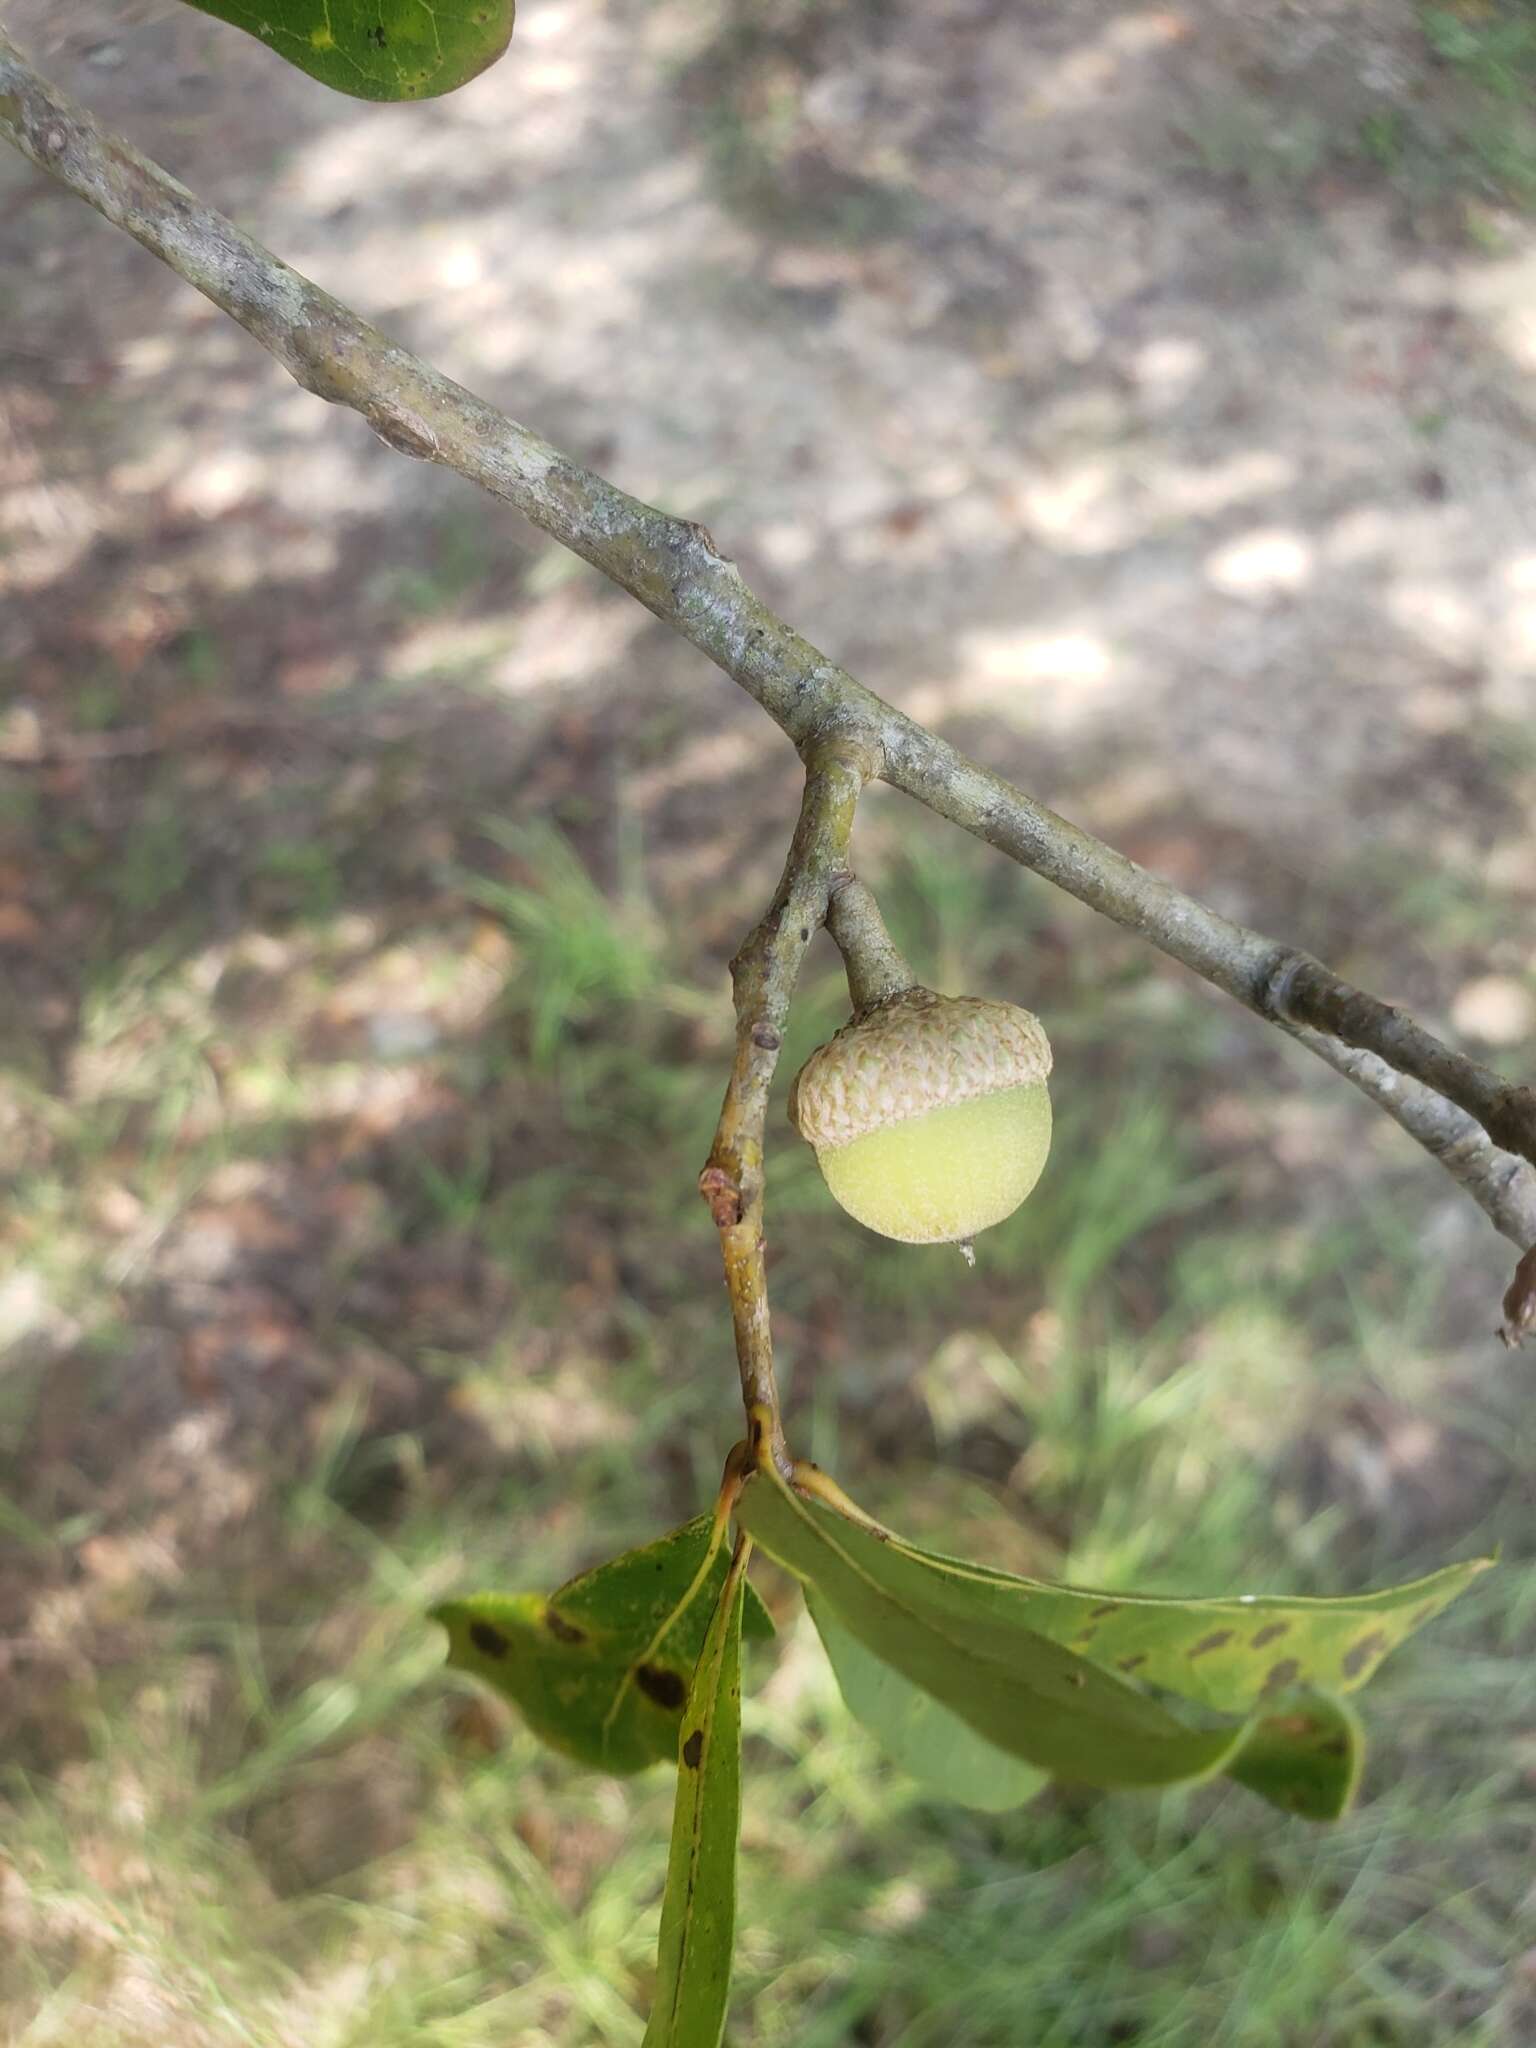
[
  {"x": 600, "y": 1670},
  {"x": 1013, "y": 1661},
  {"x": 1029, "y": 1697},
  {"x": 1207, "y": 1650},
  {"x": 698, "y": 1907},
  {"x": 1304, "y": 1755}
]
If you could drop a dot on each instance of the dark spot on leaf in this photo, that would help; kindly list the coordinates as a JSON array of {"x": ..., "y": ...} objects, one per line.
[
  {"x": 1109, "y": 1607},
  {"x": 490, "y": 1642},
  {"x": 1076, "y": 1678},
  {"x": 1271, "y": 1633},
  {"x": 693, "y": 1749},
  {"x": 1336, "y": 1745},
  {"x": 1130, "y": 1663},
  {"x": 1283, "y": 1673},
  {"x": 377, "y": 37},
  {"x": 1360, "y": 1654},
  {"x": 1292, "y": 1724},
  {"x": 1214, "y": 1641},
  {"x": 661, "y": 1685},
  {"x": 562, "y": 1630},
  {"x": 1085, "y": 1635}
]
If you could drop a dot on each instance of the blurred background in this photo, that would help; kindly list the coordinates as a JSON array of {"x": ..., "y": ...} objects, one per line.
[{"x": 1146, "y": 397}]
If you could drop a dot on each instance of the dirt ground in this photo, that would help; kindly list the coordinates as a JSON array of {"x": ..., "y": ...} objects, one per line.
[{"x": 1066, "y": 371}]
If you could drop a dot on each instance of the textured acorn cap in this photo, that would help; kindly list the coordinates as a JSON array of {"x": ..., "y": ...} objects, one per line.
[{"x": 917, "y": 1052}]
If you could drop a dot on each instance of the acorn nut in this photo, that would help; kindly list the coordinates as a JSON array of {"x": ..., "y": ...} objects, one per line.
[{"x": 929, "y": 1114}]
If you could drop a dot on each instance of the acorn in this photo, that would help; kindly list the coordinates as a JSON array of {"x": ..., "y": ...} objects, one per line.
[{"x": 929, "y": 1114}]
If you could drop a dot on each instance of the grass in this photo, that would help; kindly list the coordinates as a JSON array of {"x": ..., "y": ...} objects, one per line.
[
  {"x": 243, "y": 1804},
  {"x": 1493, "y": 45},
  {"x": 742, "y": 93},
  {"x": 1488, "y": 135},
  {"x": 1460, "y": 128}
]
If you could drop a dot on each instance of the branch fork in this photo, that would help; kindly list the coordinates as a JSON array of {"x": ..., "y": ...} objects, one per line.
[{"x": 838, "y": 764}]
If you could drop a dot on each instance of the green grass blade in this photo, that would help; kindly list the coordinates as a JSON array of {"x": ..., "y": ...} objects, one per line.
[
  {"x": 377, "y": 49},
  {"x": 600, "y": 1669},
  {"x": 698, "y": 1908}
]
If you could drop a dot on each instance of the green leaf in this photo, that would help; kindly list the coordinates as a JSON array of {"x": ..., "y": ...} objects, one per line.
[
  {"x": 929, "y": 1742},
  {"x": 698, "y": 1908},
  {"x": 377, "y": 49},
  {"x": 1227, "y": 1652},
  {"x": 966, "y": 1636},
  {"x": 600, "y": 1669},
  {"x": 1017, "y": 1689},
  {"x": 1304, "y": 1754}
]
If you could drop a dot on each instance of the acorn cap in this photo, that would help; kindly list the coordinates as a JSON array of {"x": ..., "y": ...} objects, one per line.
[{"x": 916, "y": 1052}]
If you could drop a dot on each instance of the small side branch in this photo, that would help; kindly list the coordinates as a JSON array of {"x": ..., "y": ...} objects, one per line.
[
  {"x": 1303, "y": 991},
  {"x": 1503, "y": 1186},
  {"x": 1520, "y": 1303},
  {"x": 763, "y": 978},
  {"x": 875, "y": 968}
]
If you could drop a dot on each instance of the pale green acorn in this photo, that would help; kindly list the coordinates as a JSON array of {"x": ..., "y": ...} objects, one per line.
[{"x": 929, "y": 1114}]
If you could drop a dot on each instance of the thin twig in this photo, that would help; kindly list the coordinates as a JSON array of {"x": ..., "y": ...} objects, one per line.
[
  {"x": 1503, "y": 1186},
  {"x": 871, "y": 959},
  {"x": 1308, "y": 994},
  {"x": 1520, "y": 1303},
  {"x": 674, "y": 568},
  {"x": 763, "y": 977}
]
